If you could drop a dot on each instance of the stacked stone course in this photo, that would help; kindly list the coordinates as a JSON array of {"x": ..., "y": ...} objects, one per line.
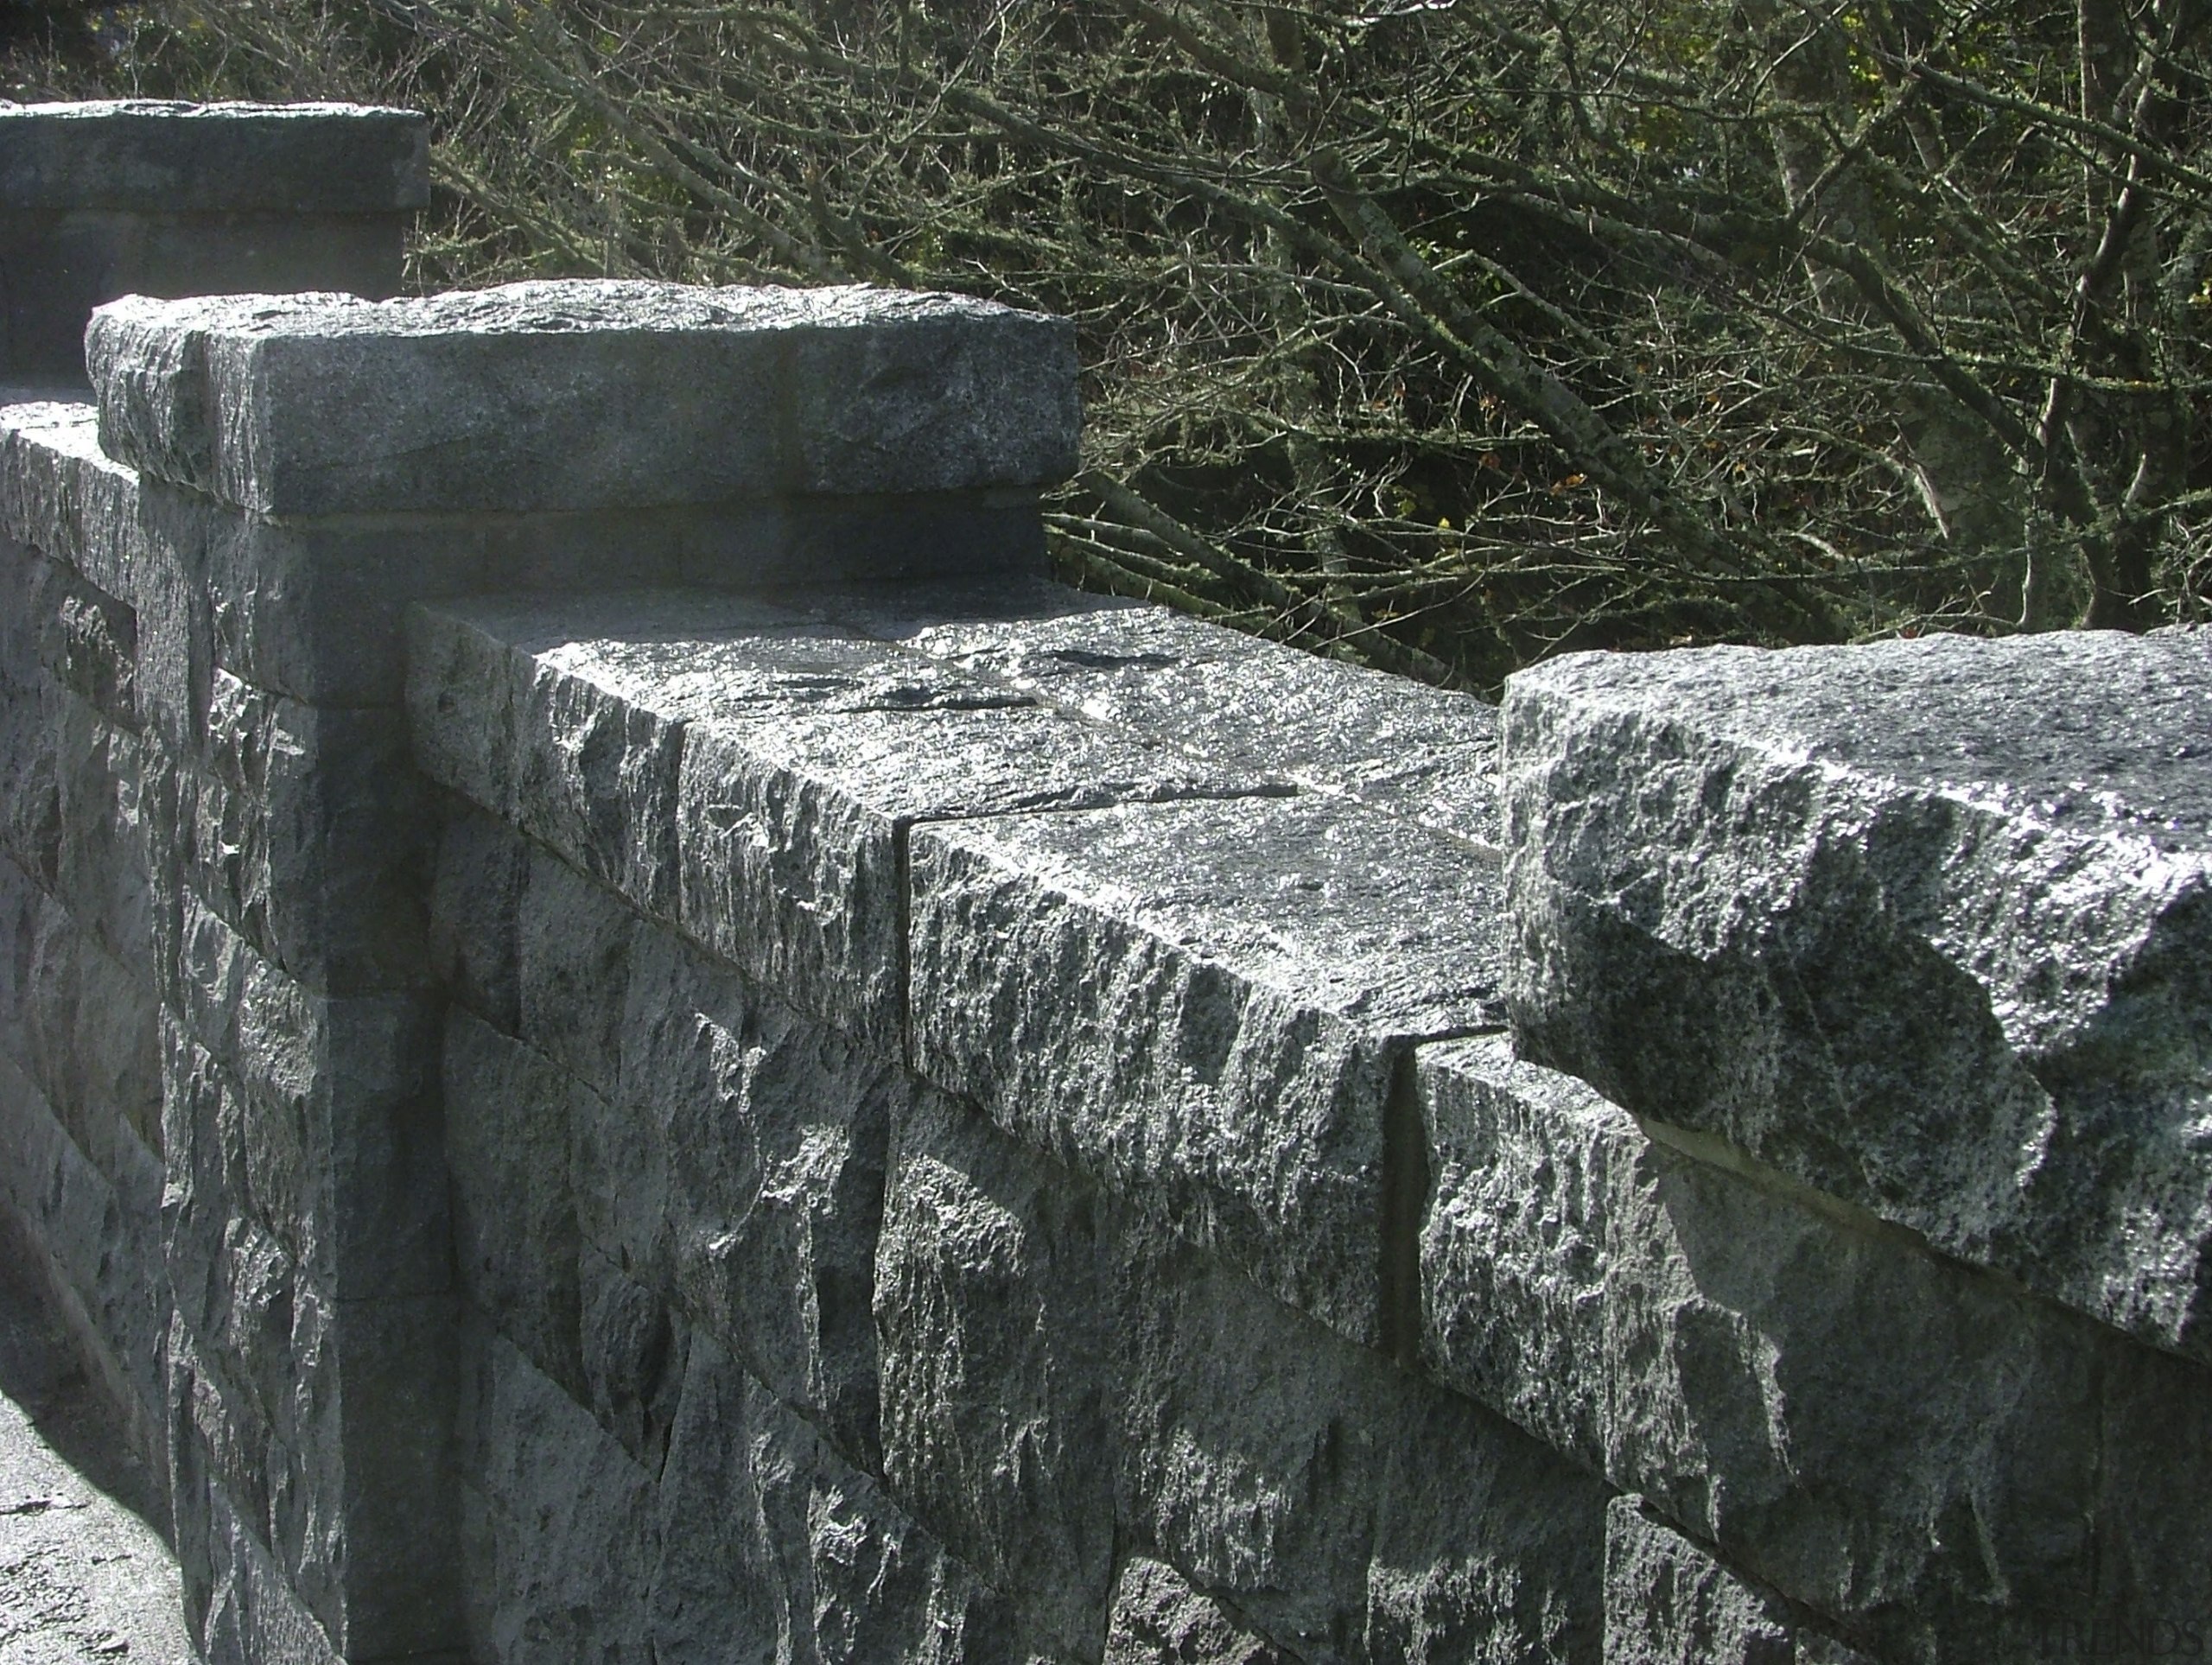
[{"x": 632, "y": 1041}]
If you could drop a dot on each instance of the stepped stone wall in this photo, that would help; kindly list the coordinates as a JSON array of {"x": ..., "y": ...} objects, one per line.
[{"x": 630, "y": 1040}]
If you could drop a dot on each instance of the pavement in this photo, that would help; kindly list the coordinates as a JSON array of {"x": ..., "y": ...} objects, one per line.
[{"x": 85, "y": 1579}]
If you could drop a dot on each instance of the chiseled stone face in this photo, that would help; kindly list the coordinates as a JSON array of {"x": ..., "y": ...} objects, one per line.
[
  {"x": 1201, "y": 1004},
  {"x": 324, "y": 404},
  {"x": 1669, "y": 1603},
  {"x": 1926, "y": 924}
]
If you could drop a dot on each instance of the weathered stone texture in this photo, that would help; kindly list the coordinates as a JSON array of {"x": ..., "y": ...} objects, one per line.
[
  {"x": 1848, "y": 909},
  {"x": 464, "y": 400},
  {"x": 1202, "y": 1004},
  {"x": 141, "y": 197},
  {"x": 990, "y": 1298},
  {"x": 1397, "y": 746},
  {"x": 1349, "y": 1511},
  {"x": 751, "y": 774},
  {"x": 1159, "y": 1617},
  {"x": 1906, "y": 1444},
  {"x": 705, "y": 1144},
  {"x": 1668, "y": 1602}
]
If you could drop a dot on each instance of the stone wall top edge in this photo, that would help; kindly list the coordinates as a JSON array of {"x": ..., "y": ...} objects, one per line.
[
  {"x": 170, "y": 158},
  {"x": 586, "y": 394}
]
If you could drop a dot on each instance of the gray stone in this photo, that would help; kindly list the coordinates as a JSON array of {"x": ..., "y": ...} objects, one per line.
[
  {"x": 796, "y": 753},
  {"x": 991, "y": 1310},
  {"x": 236, "y": 1597},
  {"x": 790, "y": 827},
  {"x": 1159, "y": 1619},
  {"x": 1529, "y": 1173},
  {"x": 740, "y": 1162},
  {"x": 164, "y": 157},
  {"x": 1910, "y": 1446},
  {"x": 327, "y": 1420},
  {"x": 1347, "y": 1511},
  {"x": 82, "y": 1027},
  {"x": 61, "y": 495},
  {"x": 348, "y": 1090},
  {"x": 565, "y": 715},
  {"x": 308, "y": 833},
  {"x": 90, "y": 643},
  {"x": 635, "y": 1344},
  {"x": 102, "y": 863},
  {"x": 107, "y": 1258},
  {"x": 476, "y": 922},
  {"x": 773, "y": 1548},
  {"x": 560, "y": 1531},
  {"x": 1668, "y": 1602},
  {"x": 1414, "y": 751},
  {"x": 1845, "y": 908},
  {"x": 515, "y": 1242},
  {"x": 1202, "y": 1004},
  {"x": 466, "y": 401},
  {"x": 575, "y": 945}
]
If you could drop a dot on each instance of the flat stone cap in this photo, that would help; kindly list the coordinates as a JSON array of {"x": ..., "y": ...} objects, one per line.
[
  {"x": 2095, "y": 734},
  {"x": 1927, "y": 925},
  {"x": 584, "y": 394},
  {"x": 157, "y": 156}
]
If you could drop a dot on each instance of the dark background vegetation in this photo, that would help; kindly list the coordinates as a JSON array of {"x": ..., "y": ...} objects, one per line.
[{"x": 1435, "y": 333}]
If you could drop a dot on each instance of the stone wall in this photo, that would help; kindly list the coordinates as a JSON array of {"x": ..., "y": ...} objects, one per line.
[{"x": 634, "y": 1042}]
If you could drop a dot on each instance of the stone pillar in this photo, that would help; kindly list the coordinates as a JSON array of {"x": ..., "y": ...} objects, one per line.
[
  {"x": 306, "y": 468},
  {"x": 98, "y": 200}
]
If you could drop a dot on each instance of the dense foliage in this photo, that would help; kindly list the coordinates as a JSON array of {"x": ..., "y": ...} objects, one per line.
[{"x": 1439, "y": 333}]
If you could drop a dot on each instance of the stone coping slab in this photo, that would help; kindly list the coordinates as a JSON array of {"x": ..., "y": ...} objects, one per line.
[
  {"x": 1927, "y": 925},
  {"x": 585, "y": 394},
  {"x": 1422, "y": 753},
  {"x": 158, "y": 157},
  {"x": 748, "y": 774}
]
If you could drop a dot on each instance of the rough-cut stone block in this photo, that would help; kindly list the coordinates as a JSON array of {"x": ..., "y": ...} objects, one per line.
[
  {"x": 772, "y": 1547},
  {"x": 345, "y": 1089},
  {"x": 1904, "y": 1443},
  {"x": 565, "y": 715},
  {"x": 636, "y": 1342},
  {"x": 106, "y": 1256},
  {"x": 237, "y": 1603},
  {"x": 102, "y": 867},
  {"x": 1530, "y": 1171},
  {"x": 1417, "y": 752},
  {"x": 89, "y": 644},
  {"x": 560, "y": 1531},
  {"x": 1927, "y": 923},
  {"x": 327, "y": 405},
  {"x": 1668, "y": 1602},
  {"x": 796, "y": 754},
  {"x": 740, "y": 1162},
  {"x": 575, "y": 946},
  {"x": 163, "y": 157},
  {"x": 329, "y": 1425},
  {"x": 990, "y": 1310},
  {"x": 98, "y": 200},
  {"x": 1345, "y": 1510},
  {"x": 790, "y": 828},
  {"x": 508, "y": 1122},
  {"x": 82, "y": 1027},
  {"x": 1158, "y": 1615},
  {"x": 307, "y": 831},
  {"x": 1203, "y": 1004},
  {"x": 476, "y": 922},
  {"x": 61, "y": 495}
]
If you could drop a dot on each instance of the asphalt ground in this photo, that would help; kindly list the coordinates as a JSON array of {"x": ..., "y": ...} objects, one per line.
[{"x": 85, "y": 1579}]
